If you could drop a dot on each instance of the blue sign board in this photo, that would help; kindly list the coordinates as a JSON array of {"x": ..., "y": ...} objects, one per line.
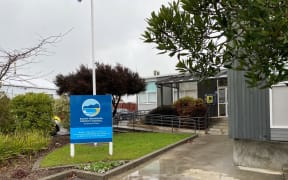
[{"x": 90, "y": 118}]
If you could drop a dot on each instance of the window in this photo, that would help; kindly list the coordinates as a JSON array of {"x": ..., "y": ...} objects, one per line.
[
  {"x": 222, "y": 101},
  {"x": 278, "y": 107}
]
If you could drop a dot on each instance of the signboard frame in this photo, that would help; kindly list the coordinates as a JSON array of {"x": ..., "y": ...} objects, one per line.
[{"x": 90, "y": 120}]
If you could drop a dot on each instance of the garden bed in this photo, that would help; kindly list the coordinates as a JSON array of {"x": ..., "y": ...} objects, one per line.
[{"x": 21, "y": 167}]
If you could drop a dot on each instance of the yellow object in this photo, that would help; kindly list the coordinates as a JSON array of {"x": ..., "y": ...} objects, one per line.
[
  {"x": 56, "y": 118},
  {"x": 209, "y": 99}
]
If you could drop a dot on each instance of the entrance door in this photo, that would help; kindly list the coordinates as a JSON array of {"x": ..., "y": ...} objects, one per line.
[{"x": 222, "y": 101}]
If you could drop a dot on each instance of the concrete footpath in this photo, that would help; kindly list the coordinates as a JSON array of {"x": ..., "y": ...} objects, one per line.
[{"x": 206, "y": 157}]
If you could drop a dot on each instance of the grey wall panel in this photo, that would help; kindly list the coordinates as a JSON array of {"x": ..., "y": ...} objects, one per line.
[
  {"x": 278, "y": 134},
  {"x": 166, "y": 94},
  {"x": 248, "y": 109},
  {"x": 168, "y": 97},
  {"x": 159, "y": 97}
]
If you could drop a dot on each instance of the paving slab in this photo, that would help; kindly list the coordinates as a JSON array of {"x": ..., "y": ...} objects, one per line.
[{"x": 206, "y": 157}]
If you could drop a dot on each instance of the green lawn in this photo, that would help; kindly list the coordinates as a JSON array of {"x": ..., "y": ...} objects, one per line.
[{"x": 126, "y": 146}]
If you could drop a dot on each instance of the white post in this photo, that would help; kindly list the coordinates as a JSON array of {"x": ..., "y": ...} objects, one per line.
[
  {"x": 93, "y": 52},
  {"x": 110, "y": 148},
  {"x": 72, "y": 150},
  {"x": 93, "y": 49}
]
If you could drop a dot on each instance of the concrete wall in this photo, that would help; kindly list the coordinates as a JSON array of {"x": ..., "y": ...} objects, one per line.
[{"x": 260, "y": 154}]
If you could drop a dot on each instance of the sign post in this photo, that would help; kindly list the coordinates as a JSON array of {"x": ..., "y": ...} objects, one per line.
[{"x": 90, "y": 120}]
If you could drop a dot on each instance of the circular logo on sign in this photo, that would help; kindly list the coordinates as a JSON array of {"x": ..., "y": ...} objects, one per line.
[{"x": 91, "y": 107}]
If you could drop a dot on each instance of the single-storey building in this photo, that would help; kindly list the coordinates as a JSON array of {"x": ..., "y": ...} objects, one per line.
[
  {"x": 22, "y": 85},
  {"x": 165, "y": 90}
]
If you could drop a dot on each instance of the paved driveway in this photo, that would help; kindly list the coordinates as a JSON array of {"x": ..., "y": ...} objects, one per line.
[{"x": 206, "y": 157}]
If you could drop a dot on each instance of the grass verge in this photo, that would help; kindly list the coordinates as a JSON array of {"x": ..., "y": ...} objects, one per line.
[{"x": 126, "y": 146}]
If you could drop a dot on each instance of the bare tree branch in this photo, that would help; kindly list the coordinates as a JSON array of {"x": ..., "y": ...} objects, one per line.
[{"x": 9, "y": 58}]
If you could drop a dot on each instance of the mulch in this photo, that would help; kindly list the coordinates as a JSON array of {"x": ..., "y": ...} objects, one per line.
[{"x": 22, "y": 166}]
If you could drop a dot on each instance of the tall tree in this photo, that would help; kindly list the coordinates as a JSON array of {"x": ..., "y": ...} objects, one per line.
[
  {"x": 117, "y": 81},
  {"x": 205, "y": 35}
]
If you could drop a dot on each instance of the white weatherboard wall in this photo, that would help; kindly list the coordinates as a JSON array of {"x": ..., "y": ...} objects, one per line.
[
  {"x": 147, "y": 99},
  {"x": 279, "y": 112}
]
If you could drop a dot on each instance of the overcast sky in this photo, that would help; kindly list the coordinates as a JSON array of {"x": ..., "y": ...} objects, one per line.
[{"x": 118, "y": 28}]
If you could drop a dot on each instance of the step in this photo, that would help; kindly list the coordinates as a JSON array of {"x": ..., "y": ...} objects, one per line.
[
  {"x": 215, "y": 131},
  {"x": 220, "y": 124},
  {"x": 219, "y": 127}
]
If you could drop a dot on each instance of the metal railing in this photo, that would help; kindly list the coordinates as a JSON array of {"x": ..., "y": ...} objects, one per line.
[{"x": 157, "y": 122}]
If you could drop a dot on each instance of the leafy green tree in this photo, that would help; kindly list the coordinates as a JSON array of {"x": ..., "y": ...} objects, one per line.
[
  {"x": 206, "y": 35},
  {"x": 117, "y": 81}
]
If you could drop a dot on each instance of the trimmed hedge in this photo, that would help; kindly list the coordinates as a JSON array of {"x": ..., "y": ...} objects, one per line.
[{"x": 33, "y": 111}]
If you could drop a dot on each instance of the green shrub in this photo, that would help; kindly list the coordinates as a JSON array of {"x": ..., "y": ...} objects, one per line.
[
  {"x": 22, "y": 143},
  {"x": 188, "y": 106},
  {"x": 33, "y": 111},
  {"x": 61, "y": 108},
  {"x": 7, "y": 124},
  {"x": 164, "y": 110}
]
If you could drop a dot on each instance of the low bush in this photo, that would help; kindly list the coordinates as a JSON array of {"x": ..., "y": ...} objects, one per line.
[
  {"x": 22, "y": 143},
  {"x": 164, "y": 110},
  {"x": 152, "y": 118},
  {"x": 188, "y": 106},
  {"x": 33, "y": 111}
]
